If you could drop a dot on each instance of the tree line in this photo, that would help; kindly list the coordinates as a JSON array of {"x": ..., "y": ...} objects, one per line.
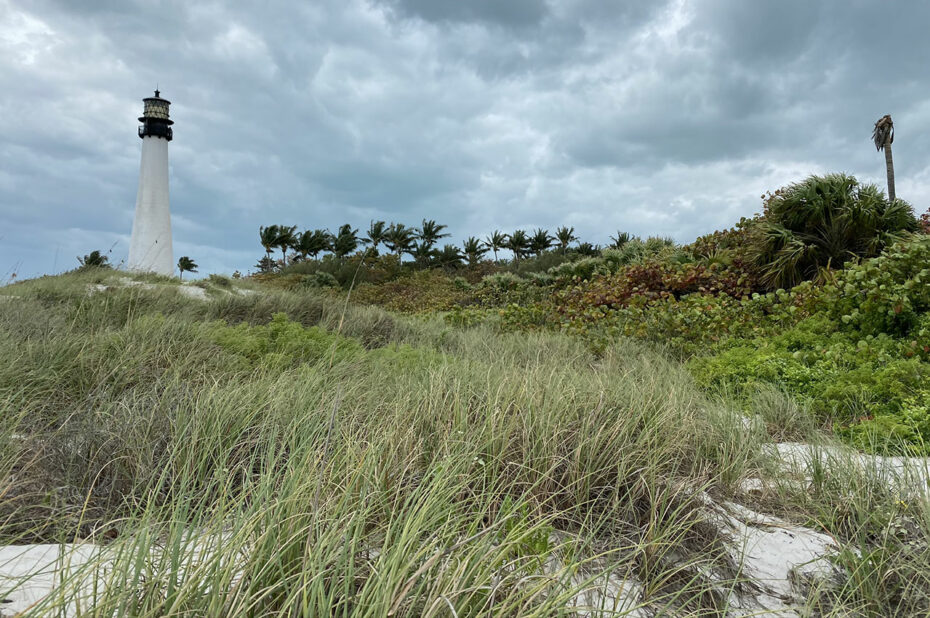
[{"x": 420, "y": 243}]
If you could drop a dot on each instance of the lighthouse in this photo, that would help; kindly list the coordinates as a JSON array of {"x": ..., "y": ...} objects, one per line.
[{"x": 150, "y": 249}]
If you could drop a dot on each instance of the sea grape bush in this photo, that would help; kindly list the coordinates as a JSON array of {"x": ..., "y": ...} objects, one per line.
[
  {"x": 687, "y": 325},
  {"x": 580, "y": 270},
  {"x": 730, "y": 245},
  {"x": 860, "y": 359},
  {"x": 888, "y": 294},
  {"x": 844, "y": 376},
  {"x": 697, "y": 323},
  {"x": 503, "y": 282},
  {"x": 651, "y": 282},
  {"x": 613, "y": 260},
  {"x": 734, "y": 249}
]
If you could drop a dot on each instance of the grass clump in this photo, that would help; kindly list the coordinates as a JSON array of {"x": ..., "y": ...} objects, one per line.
[{"x": 285, "y": 341}]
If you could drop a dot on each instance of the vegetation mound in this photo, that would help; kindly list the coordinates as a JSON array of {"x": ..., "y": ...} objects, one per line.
[{"x": 352, "y": 461}]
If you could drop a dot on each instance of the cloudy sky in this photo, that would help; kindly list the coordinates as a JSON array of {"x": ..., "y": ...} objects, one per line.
[{"x": 667, "y": 118}]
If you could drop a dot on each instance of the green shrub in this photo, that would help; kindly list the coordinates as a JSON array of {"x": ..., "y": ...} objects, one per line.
[
  {"x": 583, "y": 269},
  {"x": 420, "y": 292},
  {"x": 889, "y": 294},
  {"x": 541, "y": 263},
  {"x": 319, "y": 279},
  {"x": 502, "y": 281},
  {"x": 653, "y": 248},
  {"x": 696, "y": 323},
  {"x": 220, "y": 281},
  {"x": 283, "y": 342},
  {"x": 540, "y": 279},
  {"x": 461, "y": 283},
  {"x": 467, "y": 317},
  {"x": 643, "y": 284},
  {"x": 732, "y": 249},
  {"x": 822, "y": 223},
  {"x": 535, "y": 316},
  {"x": 358, "y": 268},
  {"x": 908, "y": 429},
  {"x": 841, "y": 377}
]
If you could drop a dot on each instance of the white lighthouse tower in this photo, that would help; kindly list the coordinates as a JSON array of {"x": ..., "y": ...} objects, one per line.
[{"x": 150, "y": 249}]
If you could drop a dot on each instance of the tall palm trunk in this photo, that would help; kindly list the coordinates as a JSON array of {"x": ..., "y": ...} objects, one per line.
[{"x": 889, "y": 169}]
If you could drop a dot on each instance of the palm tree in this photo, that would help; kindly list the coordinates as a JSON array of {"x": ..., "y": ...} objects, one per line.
[
  {"x": 431, "y": 232},
  {"x": 269, "y": 237},
  {"x": 94, "y": 259},
  {"x": 540, "y": 241},
  {"x": 302, "y": 245},
  {"x": 496, "y": 242},
  {"x": 824, "y": 222},
  {"x": 565, "y": 236},
  {"x": 620, "y": 239},
  {"x": 474, "y": 250},
  {"x": 449, "y": 257},
  {"x": 423, "y": 254},
  {"x": 185, "y": 264},
  {"x": 322, "y": 241},
  {"x": 588, "y": 250},
  {"x": 310, "y": 242},
  {"x": 345, "y": 241},
  {"x": 285, "y": 240},
  {"x": 518, "y": 243},
  {"x": 882, "y": 136},
  {"x": 399, "y": 238},
  {"x": 376, "y": 235}
]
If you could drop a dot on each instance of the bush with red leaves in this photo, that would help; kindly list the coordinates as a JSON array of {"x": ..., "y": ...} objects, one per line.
[{"x": 650, "y": 282}]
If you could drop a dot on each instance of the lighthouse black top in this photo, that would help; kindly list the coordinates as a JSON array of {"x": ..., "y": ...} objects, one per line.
[{"x": 154, "y": 119}]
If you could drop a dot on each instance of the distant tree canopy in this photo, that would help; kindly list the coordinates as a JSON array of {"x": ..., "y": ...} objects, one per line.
[{"x": 820, "y": 223}]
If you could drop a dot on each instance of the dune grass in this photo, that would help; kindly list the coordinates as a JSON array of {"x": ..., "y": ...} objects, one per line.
[{"x": 343, "y": 461}]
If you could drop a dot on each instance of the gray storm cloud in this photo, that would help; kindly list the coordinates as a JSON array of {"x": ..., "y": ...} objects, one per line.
[{"x": 653, "y": 118}]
